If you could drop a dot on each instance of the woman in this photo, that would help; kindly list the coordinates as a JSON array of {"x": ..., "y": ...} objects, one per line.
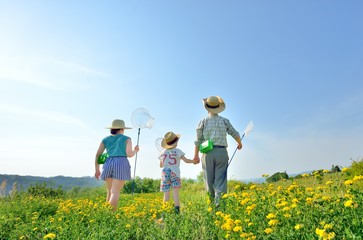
[{"x": 116, "y": 170}]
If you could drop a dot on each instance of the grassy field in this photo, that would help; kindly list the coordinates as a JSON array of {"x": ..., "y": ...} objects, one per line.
[{"x": 321, "y": 205}]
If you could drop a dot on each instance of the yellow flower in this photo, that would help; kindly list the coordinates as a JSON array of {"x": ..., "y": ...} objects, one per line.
[
  {"x": 210, "y": 209},
  {"x": 50, "y": 236},
  {"x": 357, "y": 178},
  {"x": 348, "y": 182},
  {"x": 305, "y": 175},
  {"x": 271, "y": 216},
  {"x": 298, "y": 226},
  {"x": 330, "y": 182},
  {"x": 328, "y": 226},
  {"x": 345, "y": 169},
  {"x": 268, "y": 230},
  {"x": 320, "y": 232},
  {"x": 273, "y": 222},
  {"x": 128, "y": 225},
  {"x": 348, "y": 203},
  {"x": 285, "y": 209},
  {"x": 237, "y": 229},
  {"x": 326, "y": 171}
]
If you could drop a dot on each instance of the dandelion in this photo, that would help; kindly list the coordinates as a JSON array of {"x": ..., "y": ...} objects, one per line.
[
  {"x": 357, "y": 178},
  {"x": 210, "y": 209},
  {"x": 348, "y": 182},
  {"x": 268, "y": 230},
  {"x": 330, "y": 182},
  {"x": 271, "y": 216},
  {"x": 309, "y": 200},
  {"x": 49, "y": 236},
  {"x": 298, "y": 226},
  {"x": 273, "y": 222},
  {"x": 345, "y": 169},
  {"x": 305, "y": 175},
  {"x": 128, "y": 225},
  {"x": 328, "y": 226},
  {"x": 285, "y": 209},
  {"x": 348, "y": 203},
  {"x": 319, "y": 232},
  {"x": 237, "y": 229},
  {"x": 326, "y": 171}
]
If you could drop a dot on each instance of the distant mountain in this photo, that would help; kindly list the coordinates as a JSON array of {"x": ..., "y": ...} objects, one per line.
[
  {"x": 66, "y": 183},
  {"x": 254, "y": 180}
]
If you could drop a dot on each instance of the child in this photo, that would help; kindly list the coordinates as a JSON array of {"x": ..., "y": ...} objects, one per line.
[{"x": 170, "y": 162}]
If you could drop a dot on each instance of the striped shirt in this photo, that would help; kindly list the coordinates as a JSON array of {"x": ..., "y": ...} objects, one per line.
[{"x": 216, "y": 128}]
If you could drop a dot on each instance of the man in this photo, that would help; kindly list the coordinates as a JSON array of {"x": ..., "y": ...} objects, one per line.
[{"x": 215, "y": 161}]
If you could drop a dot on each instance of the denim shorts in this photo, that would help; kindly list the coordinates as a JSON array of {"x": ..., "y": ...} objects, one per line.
[
  {"x": 169, "y": 179},
  {"x": 116, "y": 168}
]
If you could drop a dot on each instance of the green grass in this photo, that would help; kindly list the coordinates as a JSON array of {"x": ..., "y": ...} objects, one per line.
[{"x": 320, "y": 206}]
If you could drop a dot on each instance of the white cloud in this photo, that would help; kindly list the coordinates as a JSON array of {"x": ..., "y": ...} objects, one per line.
[
  {"x": 47, "y": 72},
  {"x": 50, "y": 116},
  {"x": 270, "y": 153}
]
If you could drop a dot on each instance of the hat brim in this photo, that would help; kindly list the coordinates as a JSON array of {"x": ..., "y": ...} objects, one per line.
[
  {"x": 219, "y": 109},
  {"x": 166, "y": 146},
  {"x": 118, "y": 127}
]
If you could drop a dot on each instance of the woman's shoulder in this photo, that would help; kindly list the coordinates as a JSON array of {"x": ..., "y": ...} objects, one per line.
[{"x": 122, "y": 136}]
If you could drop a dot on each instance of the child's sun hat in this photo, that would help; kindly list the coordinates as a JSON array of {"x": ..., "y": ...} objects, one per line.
[{"x": 170, "y": 140}]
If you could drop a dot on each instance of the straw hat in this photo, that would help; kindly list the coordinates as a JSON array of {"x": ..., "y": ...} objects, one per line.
[
  {"x": 214, "y": 104},
  {"x": 118, "y": 124},
  {"x": 170, "y": 140}
]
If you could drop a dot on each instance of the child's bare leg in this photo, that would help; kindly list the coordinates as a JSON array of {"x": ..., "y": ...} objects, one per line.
[
  {"x": 166, "y": 196},
  {"x": 176, "y": 196},
  {"x": 176, "y": 200}
]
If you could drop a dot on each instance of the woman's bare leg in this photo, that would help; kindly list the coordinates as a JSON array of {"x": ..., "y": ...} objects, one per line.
[{"x": 116, "y": 187}]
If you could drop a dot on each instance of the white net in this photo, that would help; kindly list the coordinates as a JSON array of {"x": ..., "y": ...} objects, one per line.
[
  {"x": 248, "y": 128},
  {"x": 142, "y": 119},
  {"x": 158, "y": 144}
]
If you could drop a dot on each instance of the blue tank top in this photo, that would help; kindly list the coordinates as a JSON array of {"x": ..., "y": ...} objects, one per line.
[{"x": 115, "y": 145}]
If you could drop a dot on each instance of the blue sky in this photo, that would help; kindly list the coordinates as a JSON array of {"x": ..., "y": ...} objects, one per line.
[{"x": 68, "y": 68}]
